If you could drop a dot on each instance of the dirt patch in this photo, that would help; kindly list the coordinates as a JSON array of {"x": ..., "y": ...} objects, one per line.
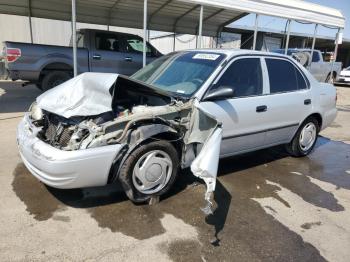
[
  {"x": 310, "y": 225},
  {"x": 184, "y": 250}
]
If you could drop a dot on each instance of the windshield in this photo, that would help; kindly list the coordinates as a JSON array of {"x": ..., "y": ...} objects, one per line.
[{"x": 182, "y": 73}]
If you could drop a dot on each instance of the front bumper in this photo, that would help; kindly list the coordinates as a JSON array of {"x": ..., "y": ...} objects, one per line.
[{"x": 64, "y": 169}]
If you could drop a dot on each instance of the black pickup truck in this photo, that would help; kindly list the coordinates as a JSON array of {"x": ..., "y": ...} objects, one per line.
[{"x": 98, "y": 51}]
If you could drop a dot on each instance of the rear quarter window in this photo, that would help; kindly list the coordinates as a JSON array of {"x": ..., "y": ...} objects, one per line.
[{"x": 284, "y": 76}]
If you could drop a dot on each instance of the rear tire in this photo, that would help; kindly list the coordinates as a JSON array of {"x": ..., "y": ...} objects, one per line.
[
  {"x": 53, "y": 79},
  {"x": 145, "y": 167},
  {"x": 305, "y": 138}
]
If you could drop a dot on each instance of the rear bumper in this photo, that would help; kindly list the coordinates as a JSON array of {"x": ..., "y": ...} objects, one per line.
[
  {"x": 32, "y": 76},
  {"x": 64, "y": 169}
]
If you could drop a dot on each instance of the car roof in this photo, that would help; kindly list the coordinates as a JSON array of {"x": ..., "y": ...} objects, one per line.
[{"x": 236, "y": 52}]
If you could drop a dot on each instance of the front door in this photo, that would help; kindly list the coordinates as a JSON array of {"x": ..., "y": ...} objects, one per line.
[{"x": 243, "y": 117}]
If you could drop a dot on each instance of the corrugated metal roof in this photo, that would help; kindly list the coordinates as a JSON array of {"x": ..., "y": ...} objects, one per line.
[{"x": 173, "y": 15}]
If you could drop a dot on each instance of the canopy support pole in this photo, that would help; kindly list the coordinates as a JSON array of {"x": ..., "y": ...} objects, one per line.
[
  {"x": 288, "y": 35},
  {"x": 144, "y": 32},
  {"x": 313, "y": 45},
  {"x": 335, "y": 54},
  {"x": 174, "y": 43},
  {"x": 74, "y": 38},
  {"x": 30, "y": 20},
  {"x": 200, "y": 27},
  {"x": 255, "y": 31}
]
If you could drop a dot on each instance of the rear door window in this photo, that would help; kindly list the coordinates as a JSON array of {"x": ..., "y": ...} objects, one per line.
[
  {"x": 284, "y": 76},
  {"x": 244, "y": 76}
]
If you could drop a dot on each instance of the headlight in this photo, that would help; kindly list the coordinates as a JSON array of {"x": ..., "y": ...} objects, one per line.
[{"x": 35, "y": 112}]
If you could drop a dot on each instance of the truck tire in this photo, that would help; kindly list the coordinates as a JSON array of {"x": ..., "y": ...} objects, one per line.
[
  {"x": 54, "y": 78},
  {"x": 150, "y": 170},
  {"x": 305, "y": 138}
]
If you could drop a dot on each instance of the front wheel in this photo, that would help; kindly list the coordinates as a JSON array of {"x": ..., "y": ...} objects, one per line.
[
  {"x": 150, "y": 170},
  {"x": 305, "y": 138}
]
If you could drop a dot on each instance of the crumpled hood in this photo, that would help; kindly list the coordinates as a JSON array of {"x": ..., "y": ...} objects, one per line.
[
  {"x": 86, "y": 94},
  {"x": 92, "y": 94}
]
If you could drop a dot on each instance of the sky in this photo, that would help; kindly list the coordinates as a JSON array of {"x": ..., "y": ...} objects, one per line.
[{"x": 279, "y": 24}]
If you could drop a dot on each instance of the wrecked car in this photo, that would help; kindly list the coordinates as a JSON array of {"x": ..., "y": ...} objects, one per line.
[{"x": 185, "y": 109}]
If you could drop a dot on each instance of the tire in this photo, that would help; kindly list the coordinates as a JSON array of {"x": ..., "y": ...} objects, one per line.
[
  {"x": 158, "y": 155},
  {"x": 54, "y": 78},
  {"x": 299, "y": 147}
]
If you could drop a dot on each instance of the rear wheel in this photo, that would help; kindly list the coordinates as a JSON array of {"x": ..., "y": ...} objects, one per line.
[
  {"x": 53, "y": 79},
  {"x": 305, "y": 138},
  {"x": 149, "y": 171}
]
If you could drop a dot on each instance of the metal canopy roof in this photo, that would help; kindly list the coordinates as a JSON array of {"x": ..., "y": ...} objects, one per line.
[{"x": 180, "y": 16}]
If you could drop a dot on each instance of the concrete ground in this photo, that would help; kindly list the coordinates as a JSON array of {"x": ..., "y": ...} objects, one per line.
[{"x": 270, "y": 207}]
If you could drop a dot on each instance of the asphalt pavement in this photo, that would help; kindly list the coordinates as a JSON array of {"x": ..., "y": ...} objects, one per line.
[{"x": 269, "y": 206}]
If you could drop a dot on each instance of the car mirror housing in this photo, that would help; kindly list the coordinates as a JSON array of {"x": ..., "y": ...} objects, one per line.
[{"x": 222, "y": 92}]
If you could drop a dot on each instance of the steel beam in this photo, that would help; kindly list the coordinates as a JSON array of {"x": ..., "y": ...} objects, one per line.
[
  {"x": 255, "y": 30},
  {"x": 335, "y": 53},
  {"x": 174, "y": 42},
  {"x": 200, "y": 29},
  {"x": 30, "y": 20},
  {"x": 144, "y": 32},
  {"x": 74, "y": 38},
  {"x": 288, "y": 36},
  {"x": 313, "y": 44}
]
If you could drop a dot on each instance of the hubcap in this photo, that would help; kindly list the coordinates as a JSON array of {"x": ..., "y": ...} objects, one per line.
[
  {"x": 152, "y": 172},
  {"x": 307, "y": 136}
]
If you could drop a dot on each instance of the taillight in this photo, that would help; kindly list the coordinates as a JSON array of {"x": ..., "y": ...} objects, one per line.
[{"x": 12, "y": 54}]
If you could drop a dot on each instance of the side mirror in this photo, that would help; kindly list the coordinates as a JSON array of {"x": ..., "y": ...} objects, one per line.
[{"x": 220, "y": 93}]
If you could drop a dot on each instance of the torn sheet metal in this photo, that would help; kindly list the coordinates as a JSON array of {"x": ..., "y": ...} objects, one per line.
[
  {"x": 205, "y": 166},
  {"x": 85, "y": 95},
  {"x": 206, "y": 130}
]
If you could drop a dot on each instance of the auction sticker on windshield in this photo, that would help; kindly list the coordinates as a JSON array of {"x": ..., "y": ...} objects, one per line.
[{"x": 206, "y": 56}]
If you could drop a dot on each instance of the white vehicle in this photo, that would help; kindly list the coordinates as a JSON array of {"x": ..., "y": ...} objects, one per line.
[
  {"x": 320, "y": 69},
  {"x": 99, "y": 128},
  {"x": 344, "y": 76}
]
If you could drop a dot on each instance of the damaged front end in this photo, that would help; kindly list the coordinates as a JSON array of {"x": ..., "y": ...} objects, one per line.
[{"x": 100, "y": 110}]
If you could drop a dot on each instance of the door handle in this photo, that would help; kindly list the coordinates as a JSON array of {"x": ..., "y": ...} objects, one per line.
[
  {"x": 96, "y": 57},
  {"x": 261, "y": 109},
  {"x": 128, "y": 59},
  {"x": 307, "y": 102}
]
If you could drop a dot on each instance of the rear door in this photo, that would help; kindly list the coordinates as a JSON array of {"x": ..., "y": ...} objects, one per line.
[
  {"x": 107, "y": 54},
  {"x": 243, "y": 116},
  {"x": 289, "y": 100},
  {"x": 118, "y": 53}
]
